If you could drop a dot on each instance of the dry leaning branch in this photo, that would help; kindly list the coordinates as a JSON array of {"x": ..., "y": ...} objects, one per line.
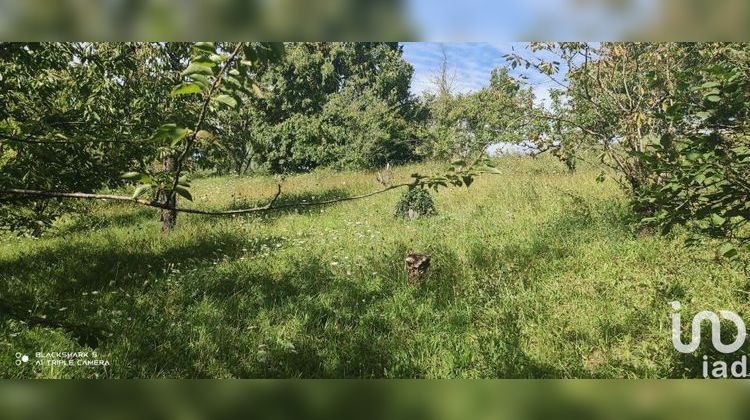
[{"x": 21, "y": 194}]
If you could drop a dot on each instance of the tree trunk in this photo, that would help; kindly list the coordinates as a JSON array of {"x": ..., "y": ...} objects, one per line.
[
  {"x": 245, "y": 167},
  {"x": 168, "y": 216}
]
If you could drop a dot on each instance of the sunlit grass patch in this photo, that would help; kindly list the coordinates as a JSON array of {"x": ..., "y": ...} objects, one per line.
[{"x": 535, "y": 273}]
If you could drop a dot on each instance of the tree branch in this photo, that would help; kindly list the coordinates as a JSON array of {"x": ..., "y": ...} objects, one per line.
[
  {"x": 36, "y": 140},
  {"x": 201, "y": 119},
  {"x": 156, "y": 204}
]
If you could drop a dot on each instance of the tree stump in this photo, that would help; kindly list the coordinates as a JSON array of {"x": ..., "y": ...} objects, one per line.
[{"x": 416, "y": 266}]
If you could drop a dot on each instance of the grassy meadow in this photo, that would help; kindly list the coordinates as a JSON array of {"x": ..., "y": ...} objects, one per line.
[{"x": 535, "y": 273}]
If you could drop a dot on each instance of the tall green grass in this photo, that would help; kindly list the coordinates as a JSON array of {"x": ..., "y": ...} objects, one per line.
[{"x": 535, "y": 273}]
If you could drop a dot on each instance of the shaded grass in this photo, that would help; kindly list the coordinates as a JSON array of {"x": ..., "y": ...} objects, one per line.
[{"x": 535, "y": 273}]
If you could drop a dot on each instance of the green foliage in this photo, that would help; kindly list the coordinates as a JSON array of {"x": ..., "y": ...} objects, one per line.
[
  {"x": 669, "y": 119},
  {"x": 343, "y": 105},
  {"x": 73, "y": 116},
  {"x": 320, "y": 292},
  {"x": 459, "y": 174},
  {"x": 699, "y": 172},
  {"x": 415, "y": 202},
  {"x": 340, "y": 105},
  {"x": 463, "y": 125},
  {"x": 239, "y": 141},
  {"x": 214, "y": 72}
]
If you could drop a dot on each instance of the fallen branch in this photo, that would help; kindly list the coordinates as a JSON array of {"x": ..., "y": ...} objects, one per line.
[{"x": 156, "y": 204}]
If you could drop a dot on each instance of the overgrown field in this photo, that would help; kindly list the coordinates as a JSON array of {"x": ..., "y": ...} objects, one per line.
[{"x": 535, "y": 273}]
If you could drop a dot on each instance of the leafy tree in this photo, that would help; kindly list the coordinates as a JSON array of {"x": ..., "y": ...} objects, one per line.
[
  {"x": 363, "y": 130},
  {"x": 217, "y": 75},
  {"x": 699, "y": 169},
  {"x": 239, "y": 140},
  {"x": 73, "y": 116},
  {"x": 669, "y": 118},
  {"x": 464, "y": 125},
  {"x": 605, "y": 104},
  {"x": 339, "y": 104}
]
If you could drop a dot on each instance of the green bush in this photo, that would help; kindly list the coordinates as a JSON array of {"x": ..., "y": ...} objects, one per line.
[{"x": 418, "y": 200}]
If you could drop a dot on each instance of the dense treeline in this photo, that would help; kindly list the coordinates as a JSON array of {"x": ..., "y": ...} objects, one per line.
[
  {"x": 348, "y": 105},
  {"x": 326, "y": 104}
]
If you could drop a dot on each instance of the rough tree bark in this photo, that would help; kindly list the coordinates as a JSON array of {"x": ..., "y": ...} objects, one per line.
[
  {"x": 416, "y": 266},
  {"x": 168, "y": 216}
]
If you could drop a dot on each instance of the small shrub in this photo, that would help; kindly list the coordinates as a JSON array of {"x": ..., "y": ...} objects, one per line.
[{"x": 414, "y": 203}]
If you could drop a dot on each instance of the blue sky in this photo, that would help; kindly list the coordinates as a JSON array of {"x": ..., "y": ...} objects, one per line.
[
  {"x": 474, "y": 20},
  {"x": 471, "y": 62}
]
